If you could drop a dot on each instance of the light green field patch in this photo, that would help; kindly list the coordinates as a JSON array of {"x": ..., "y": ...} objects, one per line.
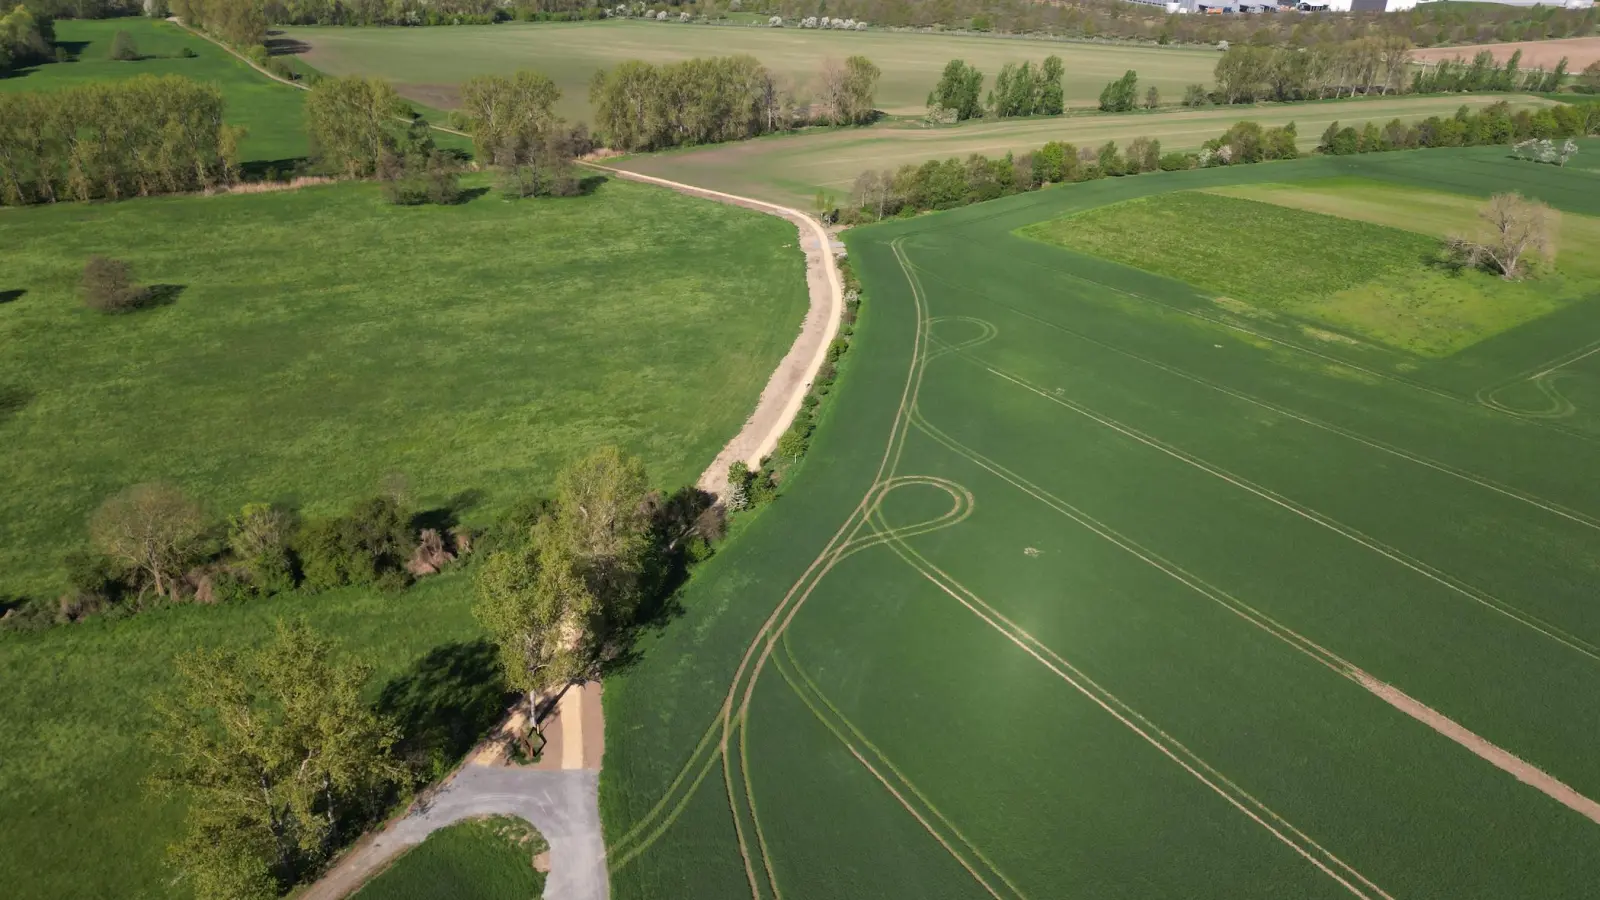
[
  {"x": 1372, "y": 280},
  {"x": 479, "y": 859},
  {"x": 1428, "y": 212}
]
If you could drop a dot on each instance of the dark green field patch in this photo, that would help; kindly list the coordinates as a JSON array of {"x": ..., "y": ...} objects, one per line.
[
  {"x": 482, "y": 859},
  {"x": 1377, "y": 282}
]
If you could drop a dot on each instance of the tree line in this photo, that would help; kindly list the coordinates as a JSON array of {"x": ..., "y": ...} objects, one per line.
[
  {"x": 144, "y": 135},
  {"x": 951, "y": 183},
  {"x": 642, "y": 106},
  {"x": 26, "y": 39},
  {"x": 1427, "y": 25},
  {"x": 1246, "y": 74}
]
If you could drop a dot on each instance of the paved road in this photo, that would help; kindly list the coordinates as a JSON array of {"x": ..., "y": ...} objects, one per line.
[{"x": 563, "y": 805}]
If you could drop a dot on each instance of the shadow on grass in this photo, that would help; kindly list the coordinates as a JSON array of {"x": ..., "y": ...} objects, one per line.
[
  {"x": 158, "y": 295},
  {"x": 447, "y": 701},
  {"x": 273, "y": 169},
  {"x": 9, "y": 296},
  {"x": 13, "y": 399},
  {"x": 283, "y": 46}
]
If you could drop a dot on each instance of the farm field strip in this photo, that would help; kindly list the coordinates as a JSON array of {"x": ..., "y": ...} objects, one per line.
[
  {"x": 429, "y": 65},
  {"x": 791, "y": 168},
  {"x": 1392, "y": 613}
]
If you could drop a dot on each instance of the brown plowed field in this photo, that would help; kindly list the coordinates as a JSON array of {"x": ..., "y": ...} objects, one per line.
[{"x": 1579, "y": 52}]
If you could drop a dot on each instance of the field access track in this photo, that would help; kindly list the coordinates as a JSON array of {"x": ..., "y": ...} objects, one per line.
[{"x": 1090, "y": 582}]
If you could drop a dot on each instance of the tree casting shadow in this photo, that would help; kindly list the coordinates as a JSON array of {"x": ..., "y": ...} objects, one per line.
[{"x": 448, "y": 701}]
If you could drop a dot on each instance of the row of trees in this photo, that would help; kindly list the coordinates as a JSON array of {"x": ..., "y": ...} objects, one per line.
[
  {"x": 945, "y": 184},
  {"x": 1246, "y": 74},
  {"x": 1429, "y": 24},
  {"x": 1484, "y": 74},
  {"x": 1018, "y": 91},
  {"x": 1494, "y": 125},
  {"x": 25, "y": 39},
  {"x": 239, "y": 22},
  {"x": 144, "y": 135},
  {"x": 515, "y": 130},
  {"x": 641, "y": 106}
]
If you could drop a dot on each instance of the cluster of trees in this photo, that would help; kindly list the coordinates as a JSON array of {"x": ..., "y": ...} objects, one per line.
[
  {"x": 1121, "y": 95},
  {"x": 1484, "y": 74},
  {"x": 153, "y": 545},
  {"x": 1545, "y": 150},
  {"x": 572, "y": 576},
  {"x": 25, "y": 39},
  {"x": 360, "y": 127},
  {"x": 279, "y": 757},
  {"x": 515, "y": 130},
  {"x": 239, "y": 22},
  {"x": 1429, "y": 24},
  {"x": 641, "y": 106},
  {"x": 1247, "y": 73},
  {"x": 136, "y": 137},
  {"x": 1494, "y": 124},
  {"x": 1018, "y": 91}
]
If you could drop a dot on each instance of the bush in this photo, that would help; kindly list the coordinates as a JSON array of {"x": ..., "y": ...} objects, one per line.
[
  {"x": 369, "y": 546},
  {"x": 108, "y": 286},
  {"x": 1177, "y": 162},
  {"x": 187, "y": 53},
  {"x": 123, "y": 47},
  {"x": 61, "y": 54}
]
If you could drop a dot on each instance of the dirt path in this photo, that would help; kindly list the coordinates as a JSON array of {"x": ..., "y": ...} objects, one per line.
[{"x": 781, "y": 398}]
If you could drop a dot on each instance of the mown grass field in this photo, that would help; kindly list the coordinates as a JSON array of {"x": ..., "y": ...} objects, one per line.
[
  {"x": 74, "y": 810},
  {"x": 323, "y": 338},
  {"x": 479, "y": 859},
  {"x": 428, "y": 65},
  {"x": 273, "y": 113},
  {"x": 791, "y": 169},
  {"x": 1092, "y": 581}
]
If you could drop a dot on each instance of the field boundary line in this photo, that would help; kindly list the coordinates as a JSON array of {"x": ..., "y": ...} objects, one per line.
[
  {"x": 1549, "y": 506},
  {"x": 1439, "y": 576},
  {"x": 1518, "y": 768}
]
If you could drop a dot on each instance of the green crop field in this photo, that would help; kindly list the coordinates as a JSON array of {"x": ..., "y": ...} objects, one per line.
[
  {"x": 479, "y": 859},
  {"x": 1101, "y": 583},
  {"x": 273, "y": 113},
  {"x": 77, "y": 818},
  {"x": 322, "y": 338},
  {"x": 791, "y": 169},
  {"x": 429, "y": 64}
]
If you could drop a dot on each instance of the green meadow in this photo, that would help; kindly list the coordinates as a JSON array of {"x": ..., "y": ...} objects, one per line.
[
  {"x": 1099, "y": 576},
  {"x": 319, "y": 339},
  {"x": 272, "y": 113},
  {"x": 479, "y": 859}
]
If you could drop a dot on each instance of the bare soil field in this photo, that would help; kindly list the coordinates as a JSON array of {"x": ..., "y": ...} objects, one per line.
[{"x": 1579, "y": 52}]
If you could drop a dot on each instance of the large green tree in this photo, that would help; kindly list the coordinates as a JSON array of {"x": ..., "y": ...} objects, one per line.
[
  {"x": 278, "y": 756},
  {"x": 554, "y": 600},
  {"x": 353, "y": 122},
  {"x": 960, "y": 88}
]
